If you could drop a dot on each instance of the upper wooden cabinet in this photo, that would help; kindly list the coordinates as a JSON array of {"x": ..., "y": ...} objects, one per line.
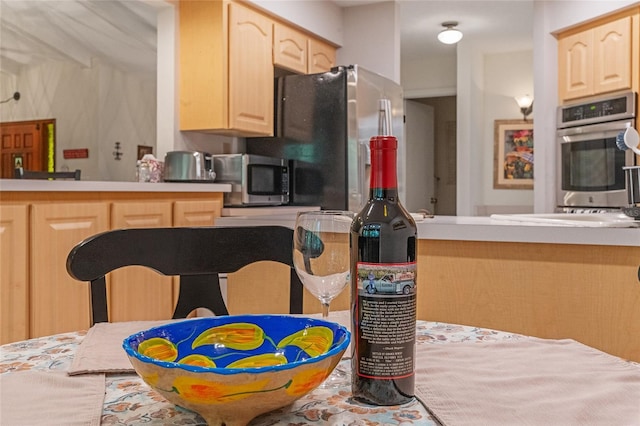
[
  {"x": 290, "y": 50},
  {"x": 322, "y": 56},
  {"x": 597, "y": 59},
  {"x": 227, "y": 57},
  {"x": 296, "y": 51},
  {"x": 226, "y": 70}
]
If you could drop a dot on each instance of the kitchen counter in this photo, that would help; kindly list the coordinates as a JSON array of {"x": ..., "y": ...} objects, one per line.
[
  {"x": 32, "y": 185},
  {"x": 481, "y": 228},
  {"x": 539, "y": 279}
]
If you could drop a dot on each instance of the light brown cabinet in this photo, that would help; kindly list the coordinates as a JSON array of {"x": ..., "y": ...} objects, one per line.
[
  {"x": 322, "y": 56},
  {"x": 296, "y": 51},
  {"x": 587, "y": 293},
  {"x": 196, "y": 213},
  {"x": 597, "y": 59},
  {"x": 290, "y": 50},
  {"x": 226, "y": 71},
  {"x": 135, "y": 292},
  {"x": 14, "y": 278},
  {"x": 57, "y": 302},
  {"x": 37, "y": 232},
  {"x": 227, "y": 57}
]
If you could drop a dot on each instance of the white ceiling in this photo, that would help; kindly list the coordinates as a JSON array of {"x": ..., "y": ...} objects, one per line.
[
  {"x": 120, "y": 32},
  {"x": 123, "y": 32}
]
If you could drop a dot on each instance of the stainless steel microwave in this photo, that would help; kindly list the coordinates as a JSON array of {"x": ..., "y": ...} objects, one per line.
[
  {"x": 590, "y": 166},
  {"x": 256, "y": 180}
]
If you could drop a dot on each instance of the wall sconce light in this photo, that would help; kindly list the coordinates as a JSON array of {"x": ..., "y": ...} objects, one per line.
[
  {"x": 526, "y": 105},
  {"x": 450, "y": 35}
]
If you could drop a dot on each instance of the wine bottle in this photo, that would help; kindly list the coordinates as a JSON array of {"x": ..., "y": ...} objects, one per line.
[{"x": 383, "y": 283}]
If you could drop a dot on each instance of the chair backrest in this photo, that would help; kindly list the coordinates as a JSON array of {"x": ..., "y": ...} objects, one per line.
[
  {"x": 20, "y": 173},
  {"x": 197, "y": 255}
]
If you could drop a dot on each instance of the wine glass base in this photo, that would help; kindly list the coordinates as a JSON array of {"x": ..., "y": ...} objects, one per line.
[{"x": 338, "y": 378}]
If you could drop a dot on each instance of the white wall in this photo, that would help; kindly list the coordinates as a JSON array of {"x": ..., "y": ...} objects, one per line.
[
  {"x": 372, "y": 38},
  {"x": 93, "y": 107},
  {"x": 505, "y": 75},
  {"x": 470, "y": 123},
  {"x": 426, "y": 77},
  {"x": 321, "y": 17}
]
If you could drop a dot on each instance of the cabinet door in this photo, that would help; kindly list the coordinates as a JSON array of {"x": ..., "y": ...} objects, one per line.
[
  {"x": 196, "y": 213},
  {"x": 136, "y": 292},
  {"x": 289, "y": 49},
  {"x": 203, "y": 65},
  {"x": 322, "y": 56},
  {"x": 59, "y": 303},
  {"x": 250, "y": 71},
  {"x": 14, "y": 287},
  {"x": 575, "y": 65},
  {"x": 612, "y": 56}
]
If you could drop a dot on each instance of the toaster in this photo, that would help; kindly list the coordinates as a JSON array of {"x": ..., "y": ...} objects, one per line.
[{"x": 188, "y": 166}]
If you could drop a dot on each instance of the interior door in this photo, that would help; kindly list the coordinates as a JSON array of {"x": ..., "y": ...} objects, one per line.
[
  {"x": 419, "y": 136},
  {"x": 25, "y": 144}
]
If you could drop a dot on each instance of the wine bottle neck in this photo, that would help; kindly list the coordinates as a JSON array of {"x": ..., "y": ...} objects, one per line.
[{"x": 384, "y": 176}]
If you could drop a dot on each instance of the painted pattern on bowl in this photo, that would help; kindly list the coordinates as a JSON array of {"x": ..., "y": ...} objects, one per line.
[{"x": 231, "y": 369}]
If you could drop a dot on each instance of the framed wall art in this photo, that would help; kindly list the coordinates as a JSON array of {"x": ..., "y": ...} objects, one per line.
[
  {"x": 143, "y": 150},
  {"x": 513, "y": 154}
]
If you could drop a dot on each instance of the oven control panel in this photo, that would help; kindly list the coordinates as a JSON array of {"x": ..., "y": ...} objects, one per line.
[{"x": 597, "y": 111}]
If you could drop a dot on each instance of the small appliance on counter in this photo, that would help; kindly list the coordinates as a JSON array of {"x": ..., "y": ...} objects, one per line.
[
  {"x": 256, "y": 180},
  {"x": 188, "y": 166},
  {"x": 632, "y": 175}
]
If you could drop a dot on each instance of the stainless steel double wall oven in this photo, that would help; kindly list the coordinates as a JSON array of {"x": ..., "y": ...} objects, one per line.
[{"x": 590, "y": 171}]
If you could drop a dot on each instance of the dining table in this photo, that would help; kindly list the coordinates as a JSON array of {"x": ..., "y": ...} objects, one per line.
[{"x": 130, "y": 401}]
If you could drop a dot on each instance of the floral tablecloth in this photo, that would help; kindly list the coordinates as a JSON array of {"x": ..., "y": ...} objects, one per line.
[{"x": 129, "y": 401}]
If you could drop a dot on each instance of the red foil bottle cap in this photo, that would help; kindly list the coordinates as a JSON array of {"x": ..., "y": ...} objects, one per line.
[{"x": 383, "y": 162}]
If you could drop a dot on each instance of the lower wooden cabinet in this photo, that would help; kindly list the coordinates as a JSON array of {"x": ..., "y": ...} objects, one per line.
[
  {"x": 14, "y": 277},
  {"x": 560, "y": 291},
  {"x": 58, "y": 303},
  {"x": 136, "y": 292},
  {"x": 196, "y": 213},
  {"x": 37, "y": 232}
]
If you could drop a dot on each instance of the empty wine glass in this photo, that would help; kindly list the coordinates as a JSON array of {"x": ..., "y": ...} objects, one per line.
[{"x": 321, "y": 259}]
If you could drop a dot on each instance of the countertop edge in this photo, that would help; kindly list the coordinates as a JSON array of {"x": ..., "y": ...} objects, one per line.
[
  {"x": 17, "y": 185},
  {"x": 462, "y": 228}
]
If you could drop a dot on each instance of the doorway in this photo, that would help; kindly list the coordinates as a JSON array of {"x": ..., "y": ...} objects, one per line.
[
  {"x": 444, "y": 153},
  {"x": 27, "y": 144}
]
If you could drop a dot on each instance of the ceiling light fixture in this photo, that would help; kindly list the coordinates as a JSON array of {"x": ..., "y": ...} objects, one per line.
[
  {"x": 450, "y": 35},
  {"x": 525, "y": 103}
]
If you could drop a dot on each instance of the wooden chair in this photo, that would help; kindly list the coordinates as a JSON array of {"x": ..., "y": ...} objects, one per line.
[
  {"x": 20, "y": 173},
  {"x": 197, "y": 255}
]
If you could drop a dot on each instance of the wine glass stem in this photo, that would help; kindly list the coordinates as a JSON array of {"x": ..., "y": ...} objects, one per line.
[{"x": 325, "y": 310}]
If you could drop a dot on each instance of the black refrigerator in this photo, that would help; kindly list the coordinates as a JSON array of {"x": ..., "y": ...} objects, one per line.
[{"x": 323, "y": 123}]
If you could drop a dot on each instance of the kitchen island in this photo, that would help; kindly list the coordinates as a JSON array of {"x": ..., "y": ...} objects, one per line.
[
  {"x": 547, "y": 281},
  {"x": 482, "y": 228},
  {"x": 42, "y": 220}
]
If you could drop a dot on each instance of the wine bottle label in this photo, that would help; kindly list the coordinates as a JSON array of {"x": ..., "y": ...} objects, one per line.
[{"x": 386, "y": 320}]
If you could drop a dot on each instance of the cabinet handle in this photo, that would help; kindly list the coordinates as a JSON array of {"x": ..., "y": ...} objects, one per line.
[{"x": 638, "y": 273}]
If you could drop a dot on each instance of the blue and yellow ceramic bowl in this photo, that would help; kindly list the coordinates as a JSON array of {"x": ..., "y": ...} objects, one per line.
[{"x": 231, "y": 369}]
